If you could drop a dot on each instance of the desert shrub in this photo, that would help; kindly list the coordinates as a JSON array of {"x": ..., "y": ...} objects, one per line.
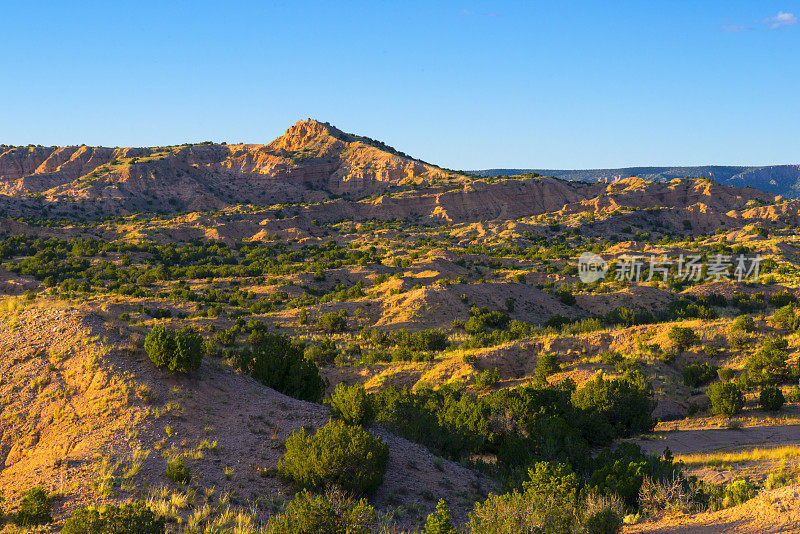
[
  {"x": 725, "y": 374},
  {"x": 330, "y": 513},
  {"x": 546, "y": 505},
  {"x": 697, "y": 374},
  {"x": 626, "y": 316},
  {"x": 682, "y": 337},
  {"x": 786, "y": 318},
  {"x": 482, "y": 320},
  {"x": 794, "y": 394},
  {"x": 738, "y": 492},
  {"x": 771, "y": 398},
  {"x": 566, "y": 297},
  {"x": 666, "y": 494},
  {"x": 332, "y": 322},
  {"x": 544, "y": 437},
  {"x": 427, "y": 339},
  {"x": 777, "y": 479},
  {"x": 626, "y": 403},
  {"x": 339, "y": 454},
  {"x": 603, "y": 514},
  {"x": 781, "y": 299},
  {"x": 546, "y": 366},
  {"x": 439, "y": 521},
  {"x": 488, "y": 336},
  {"x": 322, "y": 354},
  {"x": 178, "y": 472},
  {"x": 726, "y": 398},
  {"x": 277, "y": 362},
  {"x": 35, "y": 508},
  {"x": 487, "y": 378},
  {"x": 603, "y": 521},
  {"x": 130, "y": 518},
  {"x": 447, "y": 420},
  {"x": 179, "y": 350},
  {"x": 622, "y": 471},
  {"x": 745, "y": 323},
  {"x": 505, "y": 514},
  {"x": 352, "y": 404},
  {"x": 768, "y": 364},
  {"x": 738, "y": 339}
]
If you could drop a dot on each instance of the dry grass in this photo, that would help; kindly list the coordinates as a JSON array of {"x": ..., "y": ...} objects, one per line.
[{"x": 759, "y": 454}]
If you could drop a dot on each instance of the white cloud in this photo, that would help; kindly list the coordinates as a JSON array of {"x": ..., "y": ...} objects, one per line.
[{"x": 781, "y": 19}]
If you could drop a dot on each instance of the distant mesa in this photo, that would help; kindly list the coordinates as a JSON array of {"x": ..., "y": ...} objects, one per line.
[{"x": 777, "y": 179}]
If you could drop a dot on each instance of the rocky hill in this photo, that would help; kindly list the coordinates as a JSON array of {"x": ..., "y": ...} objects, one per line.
[
  {"x": 312, "y": 161},
  {"x": 333, "y": 174}
]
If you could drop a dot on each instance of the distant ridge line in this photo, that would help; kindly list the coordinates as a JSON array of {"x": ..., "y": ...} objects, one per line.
[{"x": 778, "y": 179}]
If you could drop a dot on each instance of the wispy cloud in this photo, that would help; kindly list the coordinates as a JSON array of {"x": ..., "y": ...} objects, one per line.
[{"x": 781, "y": 19}]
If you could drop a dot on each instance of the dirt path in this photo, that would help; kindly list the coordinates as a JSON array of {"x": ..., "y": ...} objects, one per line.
[{"x": 716, "y": 439}]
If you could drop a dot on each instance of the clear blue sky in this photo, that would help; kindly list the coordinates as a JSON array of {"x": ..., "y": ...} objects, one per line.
[{"x": 557, "y": 84}]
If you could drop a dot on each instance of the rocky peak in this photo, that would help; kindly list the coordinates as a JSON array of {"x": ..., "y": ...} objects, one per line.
[{"x": 306, "y": 134}]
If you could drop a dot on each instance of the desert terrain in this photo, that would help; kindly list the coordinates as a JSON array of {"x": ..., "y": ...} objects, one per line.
[{"x": 177, "y": 320}]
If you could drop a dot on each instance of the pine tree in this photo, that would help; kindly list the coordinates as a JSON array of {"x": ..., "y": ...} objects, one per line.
[{"x": 439, "y": 521}]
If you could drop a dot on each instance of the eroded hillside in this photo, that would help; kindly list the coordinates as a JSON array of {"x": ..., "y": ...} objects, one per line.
[{"x": 325, "y": 276}]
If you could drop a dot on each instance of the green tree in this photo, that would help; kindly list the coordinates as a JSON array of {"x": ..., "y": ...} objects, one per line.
[
  {"x": 130, "y": 518},
  {"x": 439, "y": 522},
  {"x": 745, "y": 323},
  {"x": 726, "y": 398},
  {"x": 625, "y": 403},
  {"x": 339, "y": 454},
  {"x": 786, "y": 317},
  {"x": 546, "y": 505},
  {"x": 332, "y": 322},
  {"x": 180, "y": 350},
  {"x": 322, "y": 354},
  {"x": 274, "y": 360},
  {"x": 603, "y": 521},
  {"x": 34, "y": 508},
  {"x": 331, "y": 513},
  {"x": 352, "y": 404},
  {"x": 546, "y": 366},
  {"x": 768, "y": 364},
  {"x": 682, "y": 337},
  {"x": 697, "y": 374},
  {"x": 771, "y": 398}
]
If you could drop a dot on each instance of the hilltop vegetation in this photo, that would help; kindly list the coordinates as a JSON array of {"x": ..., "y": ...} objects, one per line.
[{"x": 322, "y": 334}]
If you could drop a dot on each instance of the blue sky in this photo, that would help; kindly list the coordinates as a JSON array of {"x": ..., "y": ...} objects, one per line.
[{"x": 467, "y": 85}]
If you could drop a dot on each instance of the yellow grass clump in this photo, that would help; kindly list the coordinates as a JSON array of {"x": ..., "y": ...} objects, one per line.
[{"x": 758, "y": 454}]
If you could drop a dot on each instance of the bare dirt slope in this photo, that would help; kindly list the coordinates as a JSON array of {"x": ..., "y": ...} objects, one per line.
[{"x": 85, "y": 414}]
